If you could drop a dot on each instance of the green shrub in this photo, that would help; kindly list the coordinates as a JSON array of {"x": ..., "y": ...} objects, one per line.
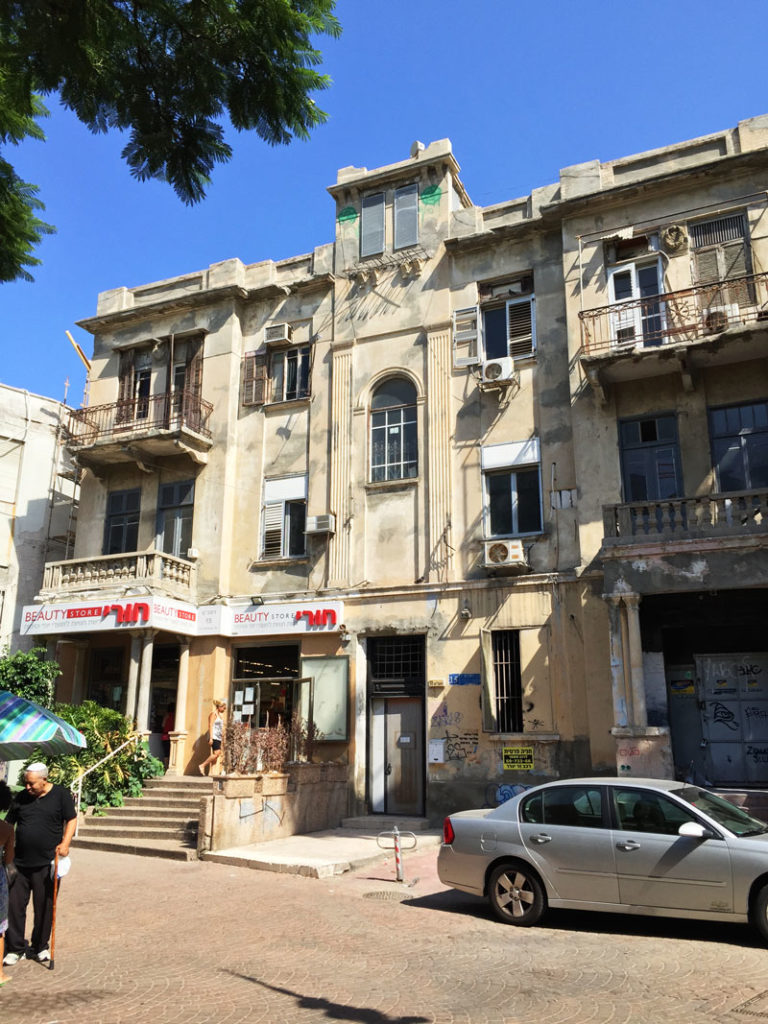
[
  {"x": 28, "y": 674},
  {"x": 105, "y": 730}
]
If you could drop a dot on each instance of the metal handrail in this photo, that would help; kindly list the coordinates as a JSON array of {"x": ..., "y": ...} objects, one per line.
[
  {"x": 180, "y": 409},
  {"x": 78, "y": 791}
]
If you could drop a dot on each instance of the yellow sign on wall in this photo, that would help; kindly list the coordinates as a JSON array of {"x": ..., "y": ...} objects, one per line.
[{"x": 517, "y": 758}]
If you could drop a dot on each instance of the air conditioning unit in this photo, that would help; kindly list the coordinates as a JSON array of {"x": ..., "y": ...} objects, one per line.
[
  {"x": 320, "y": 524},
  {"x": 498, "y": 371},
  {"x": 504, "y": 554},
  {"x": 718, "y": 318},
  {"x": 275, "y": 333}
]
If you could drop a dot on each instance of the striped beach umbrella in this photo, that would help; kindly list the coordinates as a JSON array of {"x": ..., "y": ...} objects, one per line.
[{"x": 25, "y": 726}]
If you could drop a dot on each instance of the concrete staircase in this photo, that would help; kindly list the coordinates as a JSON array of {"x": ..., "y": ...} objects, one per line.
[{"x": 162, "y": 822}]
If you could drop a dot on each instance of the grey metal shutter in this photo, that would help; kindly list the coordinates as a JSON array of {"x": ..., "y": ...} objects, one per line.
[
  {"x": 372, "y": 225},
  {"x": 406, "y": 216}
]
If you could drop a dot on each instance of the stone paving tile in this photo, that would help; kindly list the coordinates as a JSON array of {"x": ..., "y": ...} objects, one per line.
[{"x": 142, "y": 940}]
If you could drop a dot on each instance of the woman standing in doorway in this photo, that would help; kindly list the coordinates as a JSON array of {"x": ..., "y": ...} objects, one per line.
[{"x": 215, "y": 734}]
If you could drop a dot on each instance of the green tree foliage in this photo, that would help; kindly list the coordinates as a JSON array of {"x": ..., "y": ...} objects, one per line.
[
  {"x": 166, "y": 72},
  {"x": 105, "y": 730},
  {"x": 28, "y": 674}
]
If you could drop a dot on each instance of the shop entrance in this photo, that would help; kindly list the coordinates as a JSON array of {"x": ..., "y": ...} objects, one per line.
[
  {"x": 396, "y": 760},
  {"x": 162, "y": 696}
]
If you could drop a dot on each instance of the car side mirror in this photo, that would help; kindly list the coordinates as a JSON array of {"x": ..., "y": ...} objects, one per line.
[{"x": 694, "y": 830}]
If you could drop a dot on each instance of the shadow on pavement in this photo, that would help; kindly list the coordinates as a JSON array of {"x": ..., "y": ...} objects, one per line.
[
  {"x": 724, "y": 933},
  {"x": 334, "y": 1011}
]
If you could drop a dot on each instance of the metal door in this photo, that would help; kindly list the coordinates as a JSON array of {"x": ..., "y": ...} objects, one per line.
[
  {"x": 397, "y": 756},
  {"x": 733, "y": 698}
]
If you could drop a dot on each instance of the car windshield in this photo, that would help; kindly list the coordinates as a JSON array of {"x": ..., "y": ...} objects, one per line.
[{"x": 722, "y": 811}]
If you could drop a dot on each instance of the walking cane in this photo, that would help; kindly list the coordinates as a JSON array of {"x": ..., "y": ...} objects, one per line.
[{"x": 55, "y": 894}]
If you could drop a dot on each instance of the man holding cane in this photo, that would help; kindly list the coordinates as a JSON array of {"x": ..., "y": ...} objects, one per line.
[{"x": 45, "y": 820}]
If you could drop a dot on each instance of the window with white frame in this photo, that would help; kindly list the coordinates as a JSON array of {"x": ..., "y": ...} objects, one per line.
[
  {"x": 502, "y": 324},
  {"x": 406, "y": 216},
  {"x": 289, "y": 374},
  {"x": 284, "y": 517},
  {"x": 394, "y": 431},
  {"x": 511, "y": 488},
  {"x": 372, "y": 225}
]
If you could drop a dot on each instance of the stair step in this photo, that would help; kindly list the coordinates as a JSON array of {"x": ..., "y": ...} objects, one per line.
[
  {"x": 176, "y": 834},
  {"x": 170, "y": 849},
  {"x": 149, "y": 814},
  {"x": 158, "y": 803},
  {"x": 116, "y": 822}
]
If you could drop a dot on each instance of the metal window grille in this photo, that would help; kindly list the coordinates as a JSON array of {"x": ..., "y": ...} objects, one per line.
[
  {"x": 506, "y": 673},
  {"x": 396, "y": 663},
  {"x": 715, "y": 232}
]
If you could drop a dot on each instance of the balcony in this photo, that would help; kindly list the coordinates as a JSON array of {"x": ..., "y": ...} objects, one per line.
[
  {"x": 141, "y": 429},
  {"x": 740, "y": 514},
  {"x": 680, "y": 331},
  {"x": 159, "y": 573}
]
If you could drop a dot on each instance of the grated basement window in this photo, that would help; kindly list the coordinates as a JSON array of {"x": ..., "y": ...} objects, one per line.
[{"x": 506, "y": 673}]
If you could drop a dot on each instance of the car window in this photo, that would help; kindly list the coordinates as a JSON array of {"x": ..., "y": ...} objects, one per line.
[
  {"x": 642, "y": 810},
  {"x": 577, "y": 806},
  {"x": 723, "y": 811}
]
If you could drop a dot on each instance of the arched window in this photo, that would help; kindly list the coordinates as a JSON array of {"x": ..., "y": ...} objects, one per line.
[{"x": 394, "y": 437}]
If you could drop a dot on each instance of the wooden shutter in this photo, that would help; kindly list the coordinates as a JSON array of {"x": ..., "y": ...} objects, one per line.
[
  {"x": 520, "y": 327},
  {"x": 406, "y": 216},
  {"x": 254, "y": 383},
  {"x": 465, "y": 336},
  {"x": 194, "y": 374},
  {"x": 125, "y": 386},
  {"x": 372, "y": 225}
]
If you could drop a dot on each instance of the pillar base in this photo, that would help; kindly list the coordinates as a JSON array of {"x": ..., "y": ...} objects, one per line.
[
  {"x": 176, "y": 756},
  {"x": 643, "y": 752}
]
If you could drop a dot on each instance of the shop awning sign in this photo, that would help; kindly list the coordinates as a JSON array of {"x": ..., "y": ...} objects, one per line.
[{"x": 181, "y": 617}]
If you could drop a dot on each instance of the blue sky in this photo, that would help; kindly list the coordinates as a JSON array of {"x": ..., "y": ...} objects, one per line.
[{"x": 521, "y": 89}]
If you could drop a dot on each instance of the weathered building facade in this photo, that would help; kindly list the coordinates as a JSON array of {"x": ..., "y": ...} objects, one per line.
[
  {"x": 477, "y": 488},
  {"x": 38, "y": 502}
]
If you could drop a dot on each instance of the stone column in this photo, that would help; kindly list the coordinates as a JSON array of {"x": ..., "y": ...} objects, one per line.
[
  {"x": 618, "y": 674},
  {"x": 179, "y": 735},
  {"x": 133, "y": 676},
  {"x": 636, "y": 674},
  {"x": 145, "y": 679}
]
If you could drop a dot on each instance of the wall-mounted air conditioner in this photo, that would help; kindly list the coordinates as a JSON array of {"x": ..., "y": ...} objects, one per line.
[
  {"x": 275, "y": 333},
  {"x": 504, "y": 554},
  {"x": 320, "y": 524},
  {"x": 717, "y": 318},
  {"x": 498, "y": 371}
]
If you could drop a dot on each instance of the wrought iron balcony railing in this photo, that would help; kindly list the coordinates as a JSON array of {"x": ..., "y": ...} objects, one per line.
[
  {"x": 182, "y": 410},
  {"x": 737, "y": 514},
  {"x": 154, "y": 569},
  {"x": 673, "y": 318}
]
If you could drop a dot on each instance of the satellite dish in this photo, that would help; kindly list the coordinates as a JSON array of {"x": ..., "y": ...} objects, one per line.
[{"x": 416, "y": 148}]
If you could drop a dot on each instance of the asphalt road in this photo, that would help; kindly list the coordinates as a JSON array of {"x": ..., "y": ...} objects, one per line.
[{"x": 143, "y": 940}]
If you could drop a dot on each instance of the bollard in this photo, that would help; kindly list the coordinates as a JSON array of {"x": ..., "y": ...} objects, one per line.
[
  {"x": 398, "y": 857},
  {"x": 397, "y": 837}
]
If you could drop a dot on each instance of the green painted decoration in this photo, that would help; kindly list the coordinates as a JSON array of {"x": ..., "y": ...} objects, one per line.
[
  {"x": 347, "y": 215},
  {"x": 431, "y": 195}
]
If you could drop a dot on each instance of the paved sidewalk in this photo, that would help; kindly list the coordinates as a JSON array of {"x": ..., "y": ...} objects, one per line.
[
  {"x": 321, "y": 854},
  {"x": 148, "y": 941}
]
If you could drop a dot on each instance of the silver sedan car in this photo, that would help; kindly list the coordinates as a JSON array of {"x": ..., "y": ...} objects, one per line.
[{"x": 629, "y": 846}]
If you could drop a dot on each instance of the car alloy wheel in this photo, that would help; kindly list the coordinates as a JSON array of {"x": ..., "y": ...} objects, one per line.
[{"x": 516, "y": 895}]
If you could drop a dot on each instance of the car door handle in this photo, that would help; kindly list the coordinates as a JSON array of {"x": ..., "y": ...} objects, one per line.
[
  {"x": 542, "y": 837},
  {"x": 630, "y": 844}
]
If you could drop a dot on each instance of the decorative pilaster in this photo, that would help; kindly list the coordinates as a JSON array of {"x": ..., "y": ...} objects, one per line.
[{"x": 439, "y": 357}]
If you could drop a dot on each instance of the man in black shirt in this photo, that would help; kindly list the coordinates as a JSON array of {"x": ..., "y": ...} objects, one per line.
[{"x": 45, "y": 820}]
